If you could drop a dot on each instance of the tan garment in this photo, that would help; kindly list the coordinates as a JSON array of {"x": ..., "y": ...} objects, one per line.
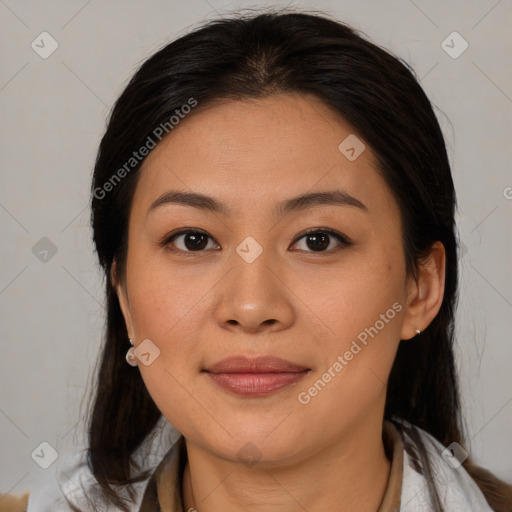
[
  {"x": 10, "y": 503},
  {"x": 163, "y": 492}
]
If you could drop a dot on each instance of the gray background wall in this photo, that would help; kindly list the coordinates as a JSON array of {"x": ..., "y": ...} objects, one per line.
[{"x": 53, "y": 114}]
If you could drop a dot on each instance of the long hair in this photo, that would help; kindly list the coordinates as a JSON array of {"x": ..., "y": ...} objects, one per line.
[{"x": 254, "y": 56}]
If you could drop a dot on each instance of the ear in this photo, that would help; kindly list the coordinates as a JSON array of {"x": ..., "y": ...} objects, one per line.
[
  {"x": 122, "y": 296},
  {"x": 425, "y": 294}
]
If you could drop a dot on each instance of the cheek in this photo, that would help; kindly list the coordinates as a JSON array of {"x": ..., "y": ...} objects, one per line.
[
  {"x": 352, "y": 298},
  {"x": 165, "y": 301},
  {"x": 168, "y": 310},
  {"x": 355, "y": 361},
  {"x": 363, "y": 308}
]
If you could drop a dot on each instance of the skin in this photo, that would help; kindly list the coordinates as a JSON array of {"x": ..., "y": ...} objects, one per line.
[{"x": 292, "y": 302}]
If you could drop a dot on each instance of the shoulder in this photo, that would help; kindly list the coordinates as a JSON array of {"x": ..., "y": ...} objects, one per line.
[
  {"x": 70, "y": 479},
  {"x": 50, "y": 491},
  {"x": 458, "y": 492},
  {"x": 69, "y": 484}
]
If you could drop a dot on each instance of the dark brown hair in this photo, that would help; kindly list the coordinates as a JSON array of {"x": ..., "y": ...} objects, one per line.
[{"x": 253, "y": 56}]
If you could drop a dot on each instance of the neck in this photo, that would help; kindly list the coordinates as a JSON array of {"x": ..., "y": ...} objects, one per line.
[{"x": 353, "y": 466}]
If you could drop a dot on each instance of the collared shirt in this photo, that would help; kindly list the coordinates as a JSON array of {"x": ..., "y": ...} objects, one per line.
[
  {"x": 163, "y": 493},
  {"x": 407, "y": 489}
]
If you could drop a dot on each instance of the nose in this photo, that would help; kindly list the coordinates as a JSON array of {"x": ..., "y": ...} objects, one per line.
[{"x": 254, "y": 297}]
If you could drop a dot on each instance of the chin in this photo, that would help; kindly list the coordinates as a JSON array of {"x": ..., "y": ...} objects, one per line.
[{"x": 252, "y": 447}]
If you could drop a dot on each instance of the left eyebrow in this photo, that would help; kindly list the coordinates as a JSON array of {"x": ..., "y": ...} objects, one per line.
[
  {"x": 301, "y": 202},
  {"x": 333, "y": 197}
]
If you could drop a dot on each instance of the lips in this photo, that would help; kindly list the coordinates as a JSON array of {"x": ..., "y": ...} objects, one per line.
[
  {"x": 258, "y": 376},
  {"x": 263, "y": 364}
]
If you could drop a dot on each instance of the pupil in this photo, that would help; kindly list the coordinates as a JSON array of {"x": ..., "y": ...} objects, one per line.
[
  {"x": 195, "y": 241},
  {"x": 318, "y": 241}
]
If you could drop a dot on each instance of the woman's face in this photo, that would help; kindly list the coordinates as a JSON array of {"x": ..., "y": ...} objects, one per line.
[{"x": 253, "y": 284}]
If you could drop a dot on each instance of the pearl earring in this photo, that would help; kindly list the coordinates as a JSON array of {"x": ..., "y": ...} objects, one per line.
[{"x": 131, "y": 358}]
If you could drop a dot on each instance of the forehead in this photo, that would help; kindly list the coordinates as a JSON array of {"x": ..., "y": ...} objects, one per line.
[{"x": 250, "y": 153}]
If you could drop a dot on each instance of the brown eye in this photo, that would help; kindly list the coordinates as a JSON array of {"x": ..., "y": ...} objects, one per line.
[
  {"x": 321, "y": 240},
  {"x": 190, "y": 241}
]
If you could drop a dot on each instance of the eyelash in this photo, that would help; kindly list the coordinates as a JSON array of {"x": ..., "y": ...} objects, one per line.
[{"x": 342, "y": 239}]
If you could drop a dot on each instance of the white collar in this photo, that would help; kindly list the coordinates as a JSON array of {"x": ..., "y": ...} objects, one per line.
[{"x": 457, "y": 491}]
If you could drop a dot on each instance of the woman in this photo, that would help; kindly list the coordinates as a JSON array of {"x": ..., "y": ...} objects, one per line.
[{"x": 273, "y": 208}]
